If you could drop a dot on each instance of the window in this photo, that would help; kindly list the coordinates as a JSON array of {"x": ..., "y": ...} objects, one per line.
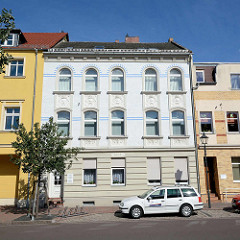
[
  {"x": 159, "y": 194},
  {"x": 152, "y": 123},
  {"x": 9, "y": 41},
  {"x": 189, "y": 192},
  {"x": 12, "y": 115},
  {"x": 16, "y": 68},
  {"x": 232, "y": 121},
  {"x": 91, "y": 80},
  {"x": 90, "y": 123},
  {"x": 178, "y": 123},
  {"x": 206, "y": 121},
  {"x": 181, "y": 170},
  {"x": 236, "y": 168},
  {"x": 64, "y": 80},
  {"x": 200, "y": 76},
  {"x": 150, "y": 80},
  {"x": 235, "y": 81},
  {"x": 118, "y": 123},
  {"x": 57, "y": 178},
  {"x": 117, "y": 80},
  {"x": 118, "y": 171},
  {"x": 63, "y": 122},
  {"x": 175, "y": 80},
  {"x": 173, "y": 193},
  {"x": 154, "y": 171},
  {"x": 90, "y": 172}
]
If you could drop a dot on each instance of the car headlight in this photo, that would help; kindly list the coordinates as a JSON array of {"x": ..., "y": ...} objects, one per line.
[{"x": 121, "y": 204}]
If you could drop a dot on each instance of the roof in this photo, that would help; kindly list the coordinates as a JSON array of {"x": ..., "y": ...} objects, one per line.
[
  {"x": 122, "y": 45},
  {"x": 40, "y": 40}
]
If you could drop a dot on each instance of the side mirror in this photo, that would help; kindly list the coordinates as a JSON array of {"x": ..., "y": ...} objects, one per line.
[{"x": 149, "y": 198}]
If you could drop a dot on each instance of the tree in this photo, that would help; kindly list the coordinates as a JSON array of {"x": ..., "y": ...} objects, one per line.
[
  {"x": 6, "y": 25},
  {"x": 42, "y": 150}
]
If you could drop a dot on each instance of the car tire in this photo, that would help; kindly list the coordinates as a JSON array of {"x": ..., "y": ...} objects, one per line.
[
  {"x": 136, "y": 212},
  {"x": 186, "y": 210}
]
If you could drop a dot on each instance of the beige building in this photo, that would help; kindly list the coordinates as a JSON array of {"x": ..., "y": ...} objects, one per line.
[{"x": 217, "y": 106}]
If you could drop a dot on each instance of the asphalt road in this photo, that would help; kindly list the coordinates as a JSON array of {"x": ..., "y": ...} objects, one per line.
[{"x": 218, "y": 229}]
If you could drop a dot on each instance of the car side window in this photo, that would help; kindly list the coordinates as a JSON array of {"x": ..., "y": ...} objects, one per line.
[
  {"x": 188, "y": 192},
  {"x": 159, "y": 194},
  {"x": 173, "y": 193}
]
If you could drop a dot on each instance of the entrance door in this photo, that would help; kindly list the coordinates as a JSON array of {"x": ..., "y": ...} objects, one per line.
[{"x": 55, "y": 181}]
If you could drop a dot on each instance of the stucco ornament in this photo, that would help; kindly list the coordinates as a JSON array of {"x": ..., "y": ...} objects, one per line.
[
  {"x": 63, "y": 101},
  {"x": 117, "y": 101},
  {"x": 151, "y": 101},
  {"x": 117, "y": 142},
  {"x": 152, "y": 142},
  {"x": 89, "y": 143},
  {"x": 177, "y": 101},
  {"x": 90, "y": 101}
]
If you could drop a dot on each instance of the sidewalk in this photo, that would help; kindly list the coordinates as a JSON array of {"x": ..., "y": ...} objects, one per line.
[{"x": 8, "y": 215}]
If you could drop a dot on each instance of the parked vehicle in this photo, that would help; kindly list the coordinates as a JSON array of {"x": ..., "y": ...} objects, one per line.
[
  {"x": 173, "y": 199},
  {"x": 236, "y": 202}
]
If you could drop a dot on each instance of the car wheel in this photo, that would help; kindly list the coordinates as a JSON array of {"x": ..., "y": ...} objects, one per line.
[
  {"x": 186, "y": 210},
  {"x": 136, "y": 212}
]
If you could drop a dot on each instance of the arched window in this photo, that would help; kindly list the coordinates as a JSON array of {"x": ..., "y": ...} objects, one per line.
[
  {"x": 91, "y": 80},
  {"x": 117, "y": 80},
  {"x": 118, "y": 123},
  {"x": 90, "y": 123},
  {"x": 63, "y": 122},
  {"x": 178, "y": 123},
  {"x": 150, "y": 80},
  {"x": 175, "y": 80},
  {"x": 64, "y": 80},
  {"x": 152, "y": 123}
]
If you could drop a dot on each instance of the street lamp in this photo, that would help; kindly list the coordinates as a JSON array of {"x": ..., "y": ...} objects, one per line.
[{"x": 204, "y": 141}]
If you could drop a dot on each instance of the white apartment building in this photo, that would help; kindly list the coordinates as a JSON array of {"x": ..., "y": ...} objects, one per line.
[{"x": 128, "y": 106}]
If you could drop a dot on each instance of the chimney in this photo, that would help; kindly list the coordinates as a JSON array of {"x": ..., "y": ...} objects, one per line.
[
  {"x": 116, "y": 41},
  {"x": 129, "y": 39},
  {"x": 170, "y": 40}
]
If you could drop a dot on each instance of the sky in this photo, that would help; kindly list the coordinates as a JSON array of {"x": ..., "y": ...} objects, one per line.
[{"x": 209, "y": 28}]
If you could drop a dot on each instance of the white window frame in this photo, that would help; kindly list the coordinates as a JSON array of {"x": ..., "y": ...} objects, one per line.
[
  {"x": 83, "y": 174},
  {"x": 118, "y": 120},
  {"x": 6, "y": 41},
  {"x": 179, "y": 74},
  {"x": 179, "y": 120},
  {"x": 232, "y": 168},
  {"x": 150, "y": 75},
  {"x": 11, "y": 115},
  {"x": 160, "y": 172},
  {"x": 65, "y": 122},
  {"x": 187, "y": 168},
  {"x": 17, "y": 65},
  {"x": 91, "y": 75},
  {"x": 237, "y": 118},
  {"x": 91, "y": 121},
  {"x": 151, "y": 120},
  {"x": 203, "y": 76},
  {"x": 124, "y": 177},
  {"x": 118, "y": 75},
  {"x": 205, "y": 118},
  {"x": 64, "y": 75},
  {"x": 238, "y": 74}
]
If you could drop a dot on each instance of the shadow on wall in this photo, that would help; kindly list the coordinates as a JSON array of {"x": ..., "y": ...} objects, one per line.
[{"x": 178, "y": 175}]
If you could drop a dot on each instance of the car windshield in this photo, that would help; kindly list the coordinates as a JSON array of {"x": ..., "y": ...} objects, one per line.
[{"x": 145, "y": 194}]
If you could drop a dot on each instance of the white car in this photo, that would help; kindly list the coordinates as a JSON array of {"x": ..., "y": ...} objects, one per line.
[{"x": 173, "y": 199}]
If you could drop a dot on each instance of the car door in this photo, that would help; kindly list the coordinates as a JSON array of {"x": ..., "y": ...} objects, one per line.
[
  {"x": 174, "y": 200},
  {"x": 155, "y": 202}
]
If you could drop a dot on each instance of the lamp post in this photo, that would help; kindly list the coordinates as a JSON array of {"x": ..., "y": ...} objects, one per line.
[{"x": 204, "y": 141}]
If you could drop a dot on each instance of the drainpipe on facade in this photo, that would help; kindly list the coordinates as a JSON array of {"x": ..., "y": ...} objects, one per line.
[
  {"x": 194, "y": 122},
  {"x": 33, "y": 111}
]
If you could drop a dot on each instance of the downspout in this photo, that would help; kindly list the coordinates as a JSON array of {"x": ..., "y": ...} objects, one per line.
[
  {"x": 194, "y": 121},
  {"x": 33, "y": 112}
]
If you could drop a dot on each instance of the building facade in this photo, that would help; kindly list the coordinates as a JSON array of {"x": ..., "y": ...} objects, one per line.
[
  {"x": 128, "y": 106},
  {"x": 20, "y": 102},
  {"x": 217, "y": 105}
]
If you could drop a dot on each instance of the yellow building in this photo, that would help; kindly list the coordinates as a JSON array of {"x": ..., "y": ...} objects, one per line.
[
  {"x": 217, "y": 109},
  {"x": 20, "y": 102}
]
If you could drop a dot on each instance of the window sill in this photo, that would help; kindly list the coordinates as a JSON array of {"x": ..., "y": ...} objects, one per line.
[
  {"x": 152, "y": 137},
  {"x": 90, "y": 92},
  {"x": 208, "y": 133},
  {"x": 14, "y": 77},
  {"x": 233, "y": 133},
  {"x": 117, "y": 92},
  {"x": 63, "y": 92},
  {"x": 89, "y": 138},
  {"x": 150, "y": 92},
  {"x": 180, "y": 136},
  {"x": 67, "y": 137},
  {"x": 89, "y": 185},
  {"x": 113, "y": 137},
  {"x": 176, "y": 92},
  {"x": 8, "y": 131},
  {"x": 154, "y": 184},
  {"x": 235, "y": 89},
  {"x": 118, "y": 185},
  {"x": 207, "y": 83}
]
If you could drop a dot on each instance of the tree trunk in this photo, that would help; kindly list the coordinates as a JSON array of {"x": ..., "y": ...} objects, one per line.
[
  {"x": 37, "y": 205},
  {"x": 34, "y": 202}
]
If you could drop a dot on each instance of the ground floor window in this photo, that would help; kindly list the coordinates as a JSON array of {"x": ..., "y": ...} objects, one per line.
[
  {"x": 89, "y": 172},
  {"x": 118, "y": 172},
  {"x": 181, "y": 170},
  {"x": 154, "y": 171},
  {"x": 236, "y": 169}
]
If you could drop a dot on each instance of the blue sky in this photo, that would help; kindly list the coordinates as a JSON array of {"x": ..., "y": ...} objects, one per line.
[{"x": 210, "y": 28}]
